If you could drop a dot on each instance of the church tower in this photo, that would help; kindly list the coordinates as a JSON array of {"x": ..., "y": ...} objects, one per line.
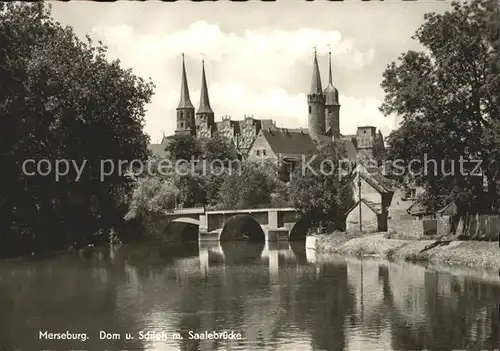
[
  {"x": 316, "y": 102},
  {"x": 185, "y": 110},
  {"x": 205, "y": 120},
  {"x": 332, "y": 106}
]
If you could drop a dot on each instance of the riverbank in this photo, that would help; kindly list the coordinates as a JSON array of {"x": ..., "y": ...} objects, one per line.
[{"x": 480, "y": 255}]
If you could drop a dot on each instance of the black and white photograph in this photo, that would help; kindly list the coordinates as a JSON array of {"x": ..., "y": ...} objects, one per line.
[{"x": 219, "y": 175}]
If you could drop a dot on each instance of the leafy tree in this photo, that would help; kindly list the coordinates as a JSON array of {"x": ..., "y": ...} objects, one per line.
[
  {"x": 150, "y": 198},
  {"x": 218, "y": 148},
  {"x": 254, "y": 185},
  {"x": 183, "y": 147},
  {"x": 191, "y": 190},
  {"x": 447, "y": 96},
  {"x": 321, "y": 191},
  {"x": 60, "y": 98}
]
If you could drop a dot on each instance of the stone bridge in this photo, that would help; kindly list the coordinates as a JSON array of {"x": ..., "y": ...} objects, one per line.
[{"x": 263, "y": 224}]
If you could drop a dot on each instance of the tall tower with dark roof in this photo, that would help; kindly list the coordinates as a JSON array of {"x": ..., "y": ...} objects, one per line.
[
  {"x": 204, "y": 119},
  {"x": 316, "y": 102},
  {"x": 185, "y": 110},
  {"x": 332, "y": 106}
]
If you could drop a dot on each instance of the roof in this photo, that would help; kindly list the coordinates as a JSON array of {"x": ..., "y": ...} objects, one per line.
[
  {"x": 185, "y": 101},
  {"x": 158, "y": 149},
  {"x": 381, "y": 179},
  {"x": 373, "y": 206},
  {"x": 417, "y": 208},
  {"x": 266, "y": 123},
  {"x": 449, "y": 209},
  {"x": 286, "y": 142},
  {"x": 316, "y": 78},
  {"x": 350, "y": 148},
  {"x": 331, "y": 93},
  {"x": 204, "y": 100}
]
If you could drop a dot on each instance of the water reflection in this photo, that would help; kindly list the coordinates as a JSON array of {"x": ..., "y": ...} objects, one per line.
[{"x": 279, "y": 296}]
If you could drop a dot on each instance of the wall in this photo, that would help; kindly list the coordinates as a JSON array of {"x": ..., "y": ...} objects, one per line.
[
  {"x": 248, "y": 132},
  {"x": 368, "y": 217},
  {"x": 260, "y": 144}
]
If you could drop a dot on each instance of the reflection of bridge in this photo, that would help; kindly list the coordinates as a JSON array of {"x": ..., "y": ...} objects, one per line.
[
  {"x": 275, "y": 223},
  {"x": 275, "y": 257}
]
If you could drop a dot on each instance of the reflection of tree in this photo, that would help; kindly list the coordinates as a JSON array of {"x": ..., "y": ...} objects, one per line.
[
  {"x": 59, "y": 295},
  {"x": 322, "y": 306},
  {"x": 461, "y": 313}
]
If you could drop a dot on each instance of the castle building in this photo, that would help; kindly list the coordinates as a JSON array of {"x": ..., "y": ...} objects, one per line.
[{"x": 258, "y": 139}]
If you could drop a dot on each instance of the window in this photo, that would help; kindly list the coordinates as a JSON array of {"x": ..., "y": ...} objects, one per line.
[
  {"x": 264, "y": 152},
  {"x": 257, "y": 152},
  {"x": 182, "y": 125},
  {"x": 310, "y": 109}
]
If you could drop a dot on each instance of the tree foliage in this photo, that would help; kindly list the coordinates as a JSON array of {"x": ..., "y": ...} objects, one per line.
[
  {"x": 256, "y": 185},
  {"x": 321, "y": 191},
  {"x": 60, "y": 98},
  {"x": 448, "y": 97}
]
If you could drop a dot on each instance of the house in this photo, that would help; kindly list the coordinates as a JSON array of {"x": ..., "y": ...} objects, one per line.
[{"x": 373, "y": 194}]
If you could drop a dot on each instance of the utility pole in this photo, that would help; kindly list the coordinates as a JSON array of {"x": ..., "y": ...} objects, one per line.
[{"x": 359, "y": 197}]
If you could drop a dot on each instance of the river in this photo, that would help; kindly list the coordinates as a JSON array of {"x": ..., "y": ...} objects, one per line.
[{"x": 265, "y": 298}]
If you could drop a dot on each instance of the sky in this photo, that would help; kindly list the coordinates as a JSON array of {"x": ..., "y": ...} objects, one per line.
[{"x": 258, "y": 56}]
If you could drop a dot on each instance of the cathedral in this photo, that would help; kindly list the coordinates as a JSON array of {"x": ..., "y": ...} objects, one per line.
[{"x": 258, "y": 139}]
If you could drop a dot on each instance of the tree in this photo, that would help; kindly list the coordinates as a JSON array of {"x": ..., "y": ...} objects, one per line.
[
  {"x": 322, "y": 192},
  {"x": 218, "y": 148},
  {"x": 61, "y": 99},
  {"x": 254, "y": 185},
  {"x": 150, "y": 198},
  {"x": 183, "y": 147},
  {"x": 447, "y": 97}
]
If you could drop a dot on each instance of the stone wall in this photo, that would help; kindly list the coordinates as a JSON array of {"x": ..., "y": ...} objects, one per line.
[
  {"x": 260, "y": 144},
  {"x": 480, "y": 227}
]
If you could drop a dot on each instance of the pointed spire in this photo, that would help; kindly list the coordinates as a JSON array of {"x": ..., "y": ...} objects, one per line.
[
  {"x": 331, "y": 93},
  {"x": 204, "y": 100},
  {"x": 185, "y": 100},
  {"x": 316, "y": 78},
  {"x": 330, "y": 80}
]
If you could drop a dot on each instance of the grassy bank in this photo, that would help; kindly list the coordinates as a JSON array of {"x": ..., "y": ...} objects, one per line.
[{"x": 474, "y": 254}]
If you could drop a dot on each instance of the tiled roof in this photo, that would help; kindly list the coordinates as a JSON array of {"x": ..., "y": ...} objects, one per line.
[
  {"x": 381, "y": 179},
  {"x": 289, "y": 142}
]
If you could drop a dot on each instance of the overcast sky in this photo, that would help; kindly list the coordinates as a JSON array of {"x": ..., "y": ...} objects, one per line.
[{"x": 258, "y": 56}]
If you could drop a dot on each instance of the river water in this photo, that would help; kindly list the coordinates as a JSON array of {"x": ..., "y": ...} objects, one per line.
[{"x": 270, "y": 298}]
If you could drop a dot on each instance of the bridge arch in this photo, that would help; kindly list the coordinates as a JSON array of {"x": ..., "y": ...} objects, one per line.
[
  {"x": 182, "y": 229},
  {"x": 242, "y": 227},
  {"x": 300, "y": 228}
]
